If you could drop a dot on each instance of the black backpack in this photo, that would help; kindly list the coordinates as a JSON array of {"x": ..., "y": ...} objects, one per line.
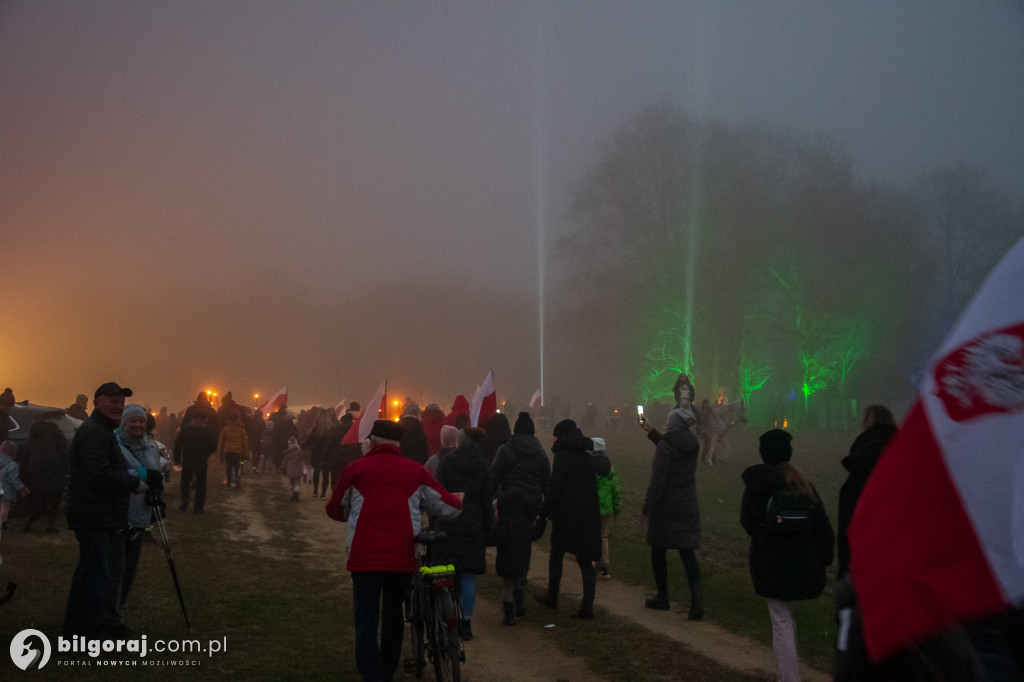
[{"x": 789, "y": 514}]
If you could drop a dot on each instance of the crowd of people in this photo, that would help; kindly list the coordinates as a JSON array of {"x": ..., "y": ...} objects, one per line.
[{"x": 492, "y": 485}]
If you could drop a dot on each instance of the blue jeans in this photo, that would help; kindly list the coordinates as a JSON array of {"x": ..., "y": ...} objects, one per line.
[
  {"x": 95, "y": 594},
  {"x": 377, "y": 599}
]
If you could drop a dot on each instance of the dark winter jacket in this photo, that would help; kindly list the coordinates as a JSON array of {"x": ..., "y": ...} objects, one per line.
[
  {"x": 785, "y": 568},
  {"x": 571, "y": 501},
  {"x": 521, "y": 464},
  {"x": 466, "y": 470},
  {"x": 498, "y": 431},
  {"x": 867, "y": 447},
  {"x": 99, "y": 483},
  {"x": 433, "y": 419},
  {"x": 414, "y": 440},
  {"x": 511, "y": 537},
  {"x": 671, "y": 502},
  {"x": 47, "y": 458},
  {"x": 194, "y": 445}
]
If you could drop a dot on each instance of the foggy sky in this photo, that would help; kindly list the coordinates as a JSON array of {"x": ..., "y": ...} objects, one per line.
[{"x": 325, "y": 194}]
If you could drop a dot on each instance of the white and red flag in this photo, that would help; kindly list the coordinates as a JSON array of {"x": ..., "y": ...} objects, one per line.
[
  {"x": 937, "y": 537},
  {"x": 277, "y": 400},
  {"x": 484, "y": 404},
  {"x": 375, "y": 409},
  {"x": 537, "y": 398}
]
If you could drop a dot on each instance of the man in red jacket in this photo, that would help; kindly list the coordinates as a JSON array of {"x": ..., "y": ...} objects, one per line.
[{"x": 380, "y": 498}]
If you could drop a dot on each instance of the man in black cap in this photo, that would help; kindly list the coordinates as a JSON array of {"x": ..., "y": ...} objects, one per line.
[
  {"x": 380, "y": 497},
  {"x": 99, "y": 485}
]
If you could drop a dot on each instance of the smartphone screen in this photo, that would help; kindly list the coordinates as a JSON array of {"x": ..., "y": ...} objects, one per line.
[{"x": 639, "y": 410}]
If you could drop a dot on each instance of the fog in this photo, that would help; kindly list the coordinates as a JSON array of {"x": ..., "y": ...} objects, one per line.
[{"x": 241, "y": 196}]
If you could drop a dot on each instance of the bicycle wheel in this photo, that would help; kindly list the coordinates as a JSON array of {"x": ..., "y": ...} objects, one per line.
[
  {"x": 446, "y": 647},
  {"x": 415, "y": 613}
]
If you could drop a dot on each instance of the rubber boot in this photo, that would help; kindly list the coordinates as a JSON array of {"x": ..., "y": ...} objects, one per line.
[
  {"x": 696, "y": 602},
  {"x": 658, "y": 602},
  {"x": 510, "y": 613}
]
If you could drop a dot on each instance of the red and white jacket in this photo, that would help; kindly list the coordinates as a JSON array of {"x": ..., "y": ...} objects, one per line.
[{"x": 380, "y": 497}]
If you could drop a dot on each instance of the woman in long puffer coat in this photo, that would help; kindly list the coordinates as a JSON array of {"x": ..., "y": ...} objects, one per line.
[
  {"x": 672, "y": 510},
  {"x": 572, "y": 504},
  {"x": 466, "y": 470}
]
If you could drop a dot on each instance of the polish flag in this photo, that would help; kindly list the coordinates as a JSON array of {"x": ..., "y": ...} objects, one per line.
[
  {"x": 484, "y": 404},
  {"x": 360, "y": 431},
  {"x": 536, "y": 399},
  {"x": 277, "y": 400},
  {"x": 937, "y": 537}
]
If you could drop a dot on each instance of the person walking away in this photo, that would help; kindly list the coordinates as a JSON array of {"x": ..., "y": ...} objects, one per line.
[
  {"x": 791, "y": 541},
  {"x": 521, "y": 465},
  {"x": 255, "y": 425},
  {"x": 139, "y": 452},
  {"x": 432, "y": 419},
  {"x": 449, "y": 441},
  {"x": 510, "y": 535},
  {"x": 671, "y": 508},
  {"x": 292, "y": 467},
  {"x": 196, "y": 441},
  {"x": 609, "y": 495},
  {"x": 381, "y": 496},
  {"x": 11, "y": 487},
  {"x": 318, "y": 440},
  {"x": 232, "y": 445},
  {"x": 47, "y": 470},
  {"x": 414, "y": 438},
  {"x": 99, "y": 485},
  {"x": 571, "y": 502},
  {"x": 466, "y": 470}
]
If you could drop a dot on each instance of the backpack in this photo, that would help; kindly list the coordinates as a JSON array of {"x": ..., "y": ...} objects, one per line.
[{"x": 789, "y": 514}]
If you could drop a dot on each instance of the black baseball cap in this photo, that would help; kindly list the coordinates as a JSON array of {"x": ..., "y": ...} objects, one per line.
[{"x": 111, "y": 388}]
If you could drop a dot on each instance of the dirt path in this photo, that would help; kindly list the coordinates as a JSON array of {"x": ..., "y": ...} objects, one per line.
[{"x": 526, "y": 654}]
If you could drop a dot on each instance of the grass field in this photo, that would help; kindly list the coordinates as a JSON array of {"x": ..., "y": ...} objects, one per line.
[
  {"x": 271, "y": 584},
  {"x": 729, "y": 596}
]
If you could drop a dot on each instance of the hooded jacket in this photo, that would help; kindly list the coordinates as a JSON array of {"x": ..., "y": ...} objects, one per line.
[
  {"x": 570, "y": 500},
  {"x": 380, "y": 497}
]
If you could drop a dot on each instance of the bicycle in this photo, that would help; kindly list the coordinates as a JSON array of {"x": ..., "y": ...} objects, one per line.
[{"x": 433, "y": 612}]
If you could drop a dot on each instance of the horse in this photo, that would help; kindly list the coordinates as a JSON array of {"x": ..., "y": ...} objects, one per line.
[{"x": 713, "y": 431}]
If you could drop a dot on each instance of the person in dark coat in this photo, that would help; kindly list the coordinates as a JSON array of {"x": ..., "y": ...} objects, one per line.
[
  {"x": 498, "y": 431},
  {"x": 433, "y": 419},
  {"x": 47, "y": 471},
  {"x": 414, "y": 439},
  {"x": 879, "y": 427},
  {"x": 510, "y": 535},
  {"x": 572, "y": 504},
  {"x": 255, "y": 425},
  {"x": 790, "y": 567},
  {"x": 465, "y": 470},
  {"x": 521, "y": 466},
  {"x": 672, "y": 510},
  {"x": 192, "y": 448},
  {"x": 99, "y": 485}
]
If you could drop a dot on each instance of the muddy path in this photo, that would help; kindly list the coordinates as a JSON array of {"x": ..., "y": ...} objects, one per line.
[{"x": 528, "y": 653}]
